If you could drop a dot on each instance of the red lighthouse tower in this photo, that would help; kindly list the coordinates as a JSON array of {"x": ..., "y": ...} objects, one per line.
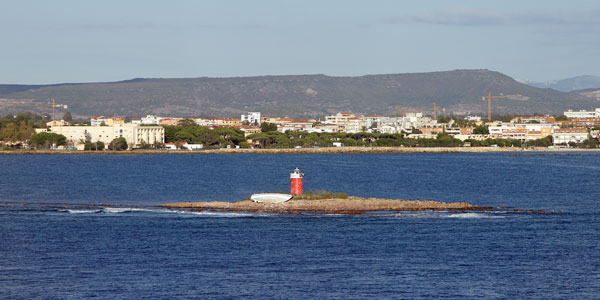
[{"x": 297, "y": 185}]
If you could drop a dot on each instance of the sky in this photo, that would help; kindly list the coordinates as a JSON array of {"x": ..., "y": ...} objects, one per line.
[{"x": 93, "y": 41}]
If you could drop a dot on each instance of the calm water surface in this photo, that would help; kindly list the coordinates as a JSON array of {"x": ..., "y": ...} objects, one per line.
[{"x": 54, "y": 245}]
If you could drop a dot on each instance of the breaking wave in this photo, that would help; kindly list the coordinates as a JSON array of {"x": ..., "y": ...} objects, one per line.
[
  {"x": 463, "y": 215},
  {"x": 83, "y": 211},
  {"x": 128, "y": 210},
  {"x": 472, "y": 215}
]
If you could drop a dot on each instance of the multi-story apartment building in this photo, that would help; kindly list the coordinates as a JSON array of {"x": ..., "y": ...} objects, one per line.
[
  {"x": 508, "y": 129},
  {"x": 533, "y": 119},
  {"x": 580, "y": 123},
  {"x": 134, "y": 134},
  {"x": 582, "y": 114},
  {"x": 252, "y": 118},
  {"x": 296, "y": 125},
  {"x": 568, "y": 135}
]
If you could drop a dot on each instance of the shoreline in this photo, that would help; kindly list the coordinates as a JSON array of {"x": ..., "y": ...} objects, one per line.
[
  {"x": 324, "y": 150},
  {"x": 349, "y": 206}
]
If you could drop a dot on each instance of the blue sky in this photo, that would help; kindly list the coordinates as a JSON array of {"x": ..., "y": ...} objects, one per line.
[{"x": 87, "y": 41}]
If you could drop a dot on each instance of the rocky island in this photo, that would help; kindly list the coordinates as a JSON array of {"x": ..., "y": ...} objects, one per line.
[{"x": 350, "y": 205}]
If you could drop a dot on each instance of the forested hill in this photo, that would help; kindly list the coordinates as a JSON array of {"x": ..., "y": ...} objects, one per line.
[{"x": 458, "y": 91}]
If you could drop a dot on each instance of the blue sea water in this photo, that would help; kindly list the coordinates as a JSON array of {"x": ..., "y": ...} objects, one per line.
[{"x": 54, "y": 244}]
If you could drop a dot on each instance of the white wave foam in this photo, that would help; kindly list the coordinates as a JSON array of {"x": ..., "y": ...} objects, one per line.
[
  {"x": 472, "y": 215},
  {"x": 437, "y": 214},
  {"x": 221, "y": 214},
  {"x": 82, "y": 211},
  {"x": 116, "y": 210}
]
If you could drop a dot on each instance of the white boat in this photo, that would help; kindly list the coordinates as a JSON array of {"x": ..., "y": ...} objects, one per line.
[{"x": 270, "y": 197}]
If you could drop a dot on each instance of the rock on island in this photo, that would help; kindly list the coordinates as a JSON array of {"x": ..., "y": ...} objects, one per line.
[{"x": 351, "y": 205}]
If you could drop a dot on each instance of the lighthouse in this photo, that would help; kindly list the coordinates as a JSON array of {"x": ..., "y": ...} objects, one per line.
[{"x": 297, "y": 185}]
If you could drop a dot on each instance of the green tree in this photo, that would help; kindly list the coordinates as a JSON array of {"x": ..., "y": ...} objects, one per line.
[
  {"x": 67, "y": 117},
  {"x": 118, "y": 144},
  {"x": 47, "y": 139},
  {"x": 268, "y": 127},
  {"x": 271, "y": 139},
  {"x": 589, "y": 143},
  {"x": 20, "y": 127},
  {"x": 482, "y": 129},
  {"x": 93, "y": 146},
  {"x": 170, "y": 132},
  {"x": 561, "y": 118},
  {"x": 187, "y": 122}
]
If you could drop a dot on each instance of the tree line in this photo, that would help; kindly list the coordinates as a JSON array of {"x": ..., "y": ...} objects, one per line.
[{"x": 20, "y": 127}]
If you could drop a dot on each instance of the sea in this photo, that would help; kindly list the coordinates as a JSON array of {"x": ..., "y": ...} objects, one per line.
[{"x": 90, "y": 227}]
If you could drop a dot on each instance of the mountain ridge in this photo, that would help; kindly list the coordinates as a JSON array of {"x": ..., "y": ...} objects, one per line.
[
  {"x": 577, "y": 83},
  {"x": 459, "y": 91}
]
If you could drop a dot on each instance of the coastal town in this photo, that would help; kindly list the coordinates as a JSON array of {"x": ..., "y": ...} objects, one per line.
[{"x": 572, "y": 129}]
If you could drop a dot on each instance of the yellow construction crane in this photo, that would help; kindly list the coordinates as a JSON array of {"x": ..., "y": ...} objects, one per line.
[
  {"x": 435, "y": 109},
  {"x": 30, "y": 104},
  {"x": 54, "y": 105},
  {"x": 489, "y": 99}
]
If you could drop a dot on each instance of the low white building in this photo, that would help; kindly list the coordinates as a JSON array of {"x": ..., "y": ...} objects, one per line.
[
  {"x": 582, "y": 114},
  {"x": 133, "y": 133},
  {"x": 151, "y": 120},
  {"x": 98, "y": 120},
  {"x": 170, "y": 146},
  {"x": 296, "y": 125},
  {"x": 192, "y": 146},
  {"x": 473, "y": 118},
  {"x": 478, "y": 137},
  {"x": 568, "y": 135}
]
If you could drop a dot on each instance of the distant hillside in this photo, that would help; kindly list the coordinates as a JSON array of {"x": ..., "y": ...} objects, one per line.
[
  {"x": 591, "y": 93},
  {"x": 458, "y": 91},
  {"x": 570, "y": 84}
]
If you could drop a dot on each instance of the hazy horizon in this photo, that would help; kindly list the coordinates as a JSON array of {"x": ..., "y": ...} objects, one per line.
[{"x": 77, "y": 42}]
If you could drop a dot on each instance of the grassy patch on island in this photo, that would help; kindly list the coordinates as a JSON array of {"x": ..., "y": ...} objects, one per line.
[{"x": 319, "y": 195}]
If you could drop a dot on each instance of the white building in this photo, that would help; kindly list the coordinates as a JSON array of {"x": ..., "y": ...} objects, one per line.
[
  {"x": 582, "y": 114},
  {"x": 340, "y": 118},
  {"x": 376, "y": 121},
  {"x": 498, "y": 129},
  {"x": 568, "y": 135},
  {"x": 133, "y": 133},
  {"x": 151, "y": 120},
  {"x": 192, "y": 146},
  {"x": 296, "y": 125},
  {"x": 98, "y": 120},
  {"x": 348, "y": 120},
  {"x": 473, "y": 118},
  {"x": 252, "y": 118},
  {"x": 202, "y": 122}
]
